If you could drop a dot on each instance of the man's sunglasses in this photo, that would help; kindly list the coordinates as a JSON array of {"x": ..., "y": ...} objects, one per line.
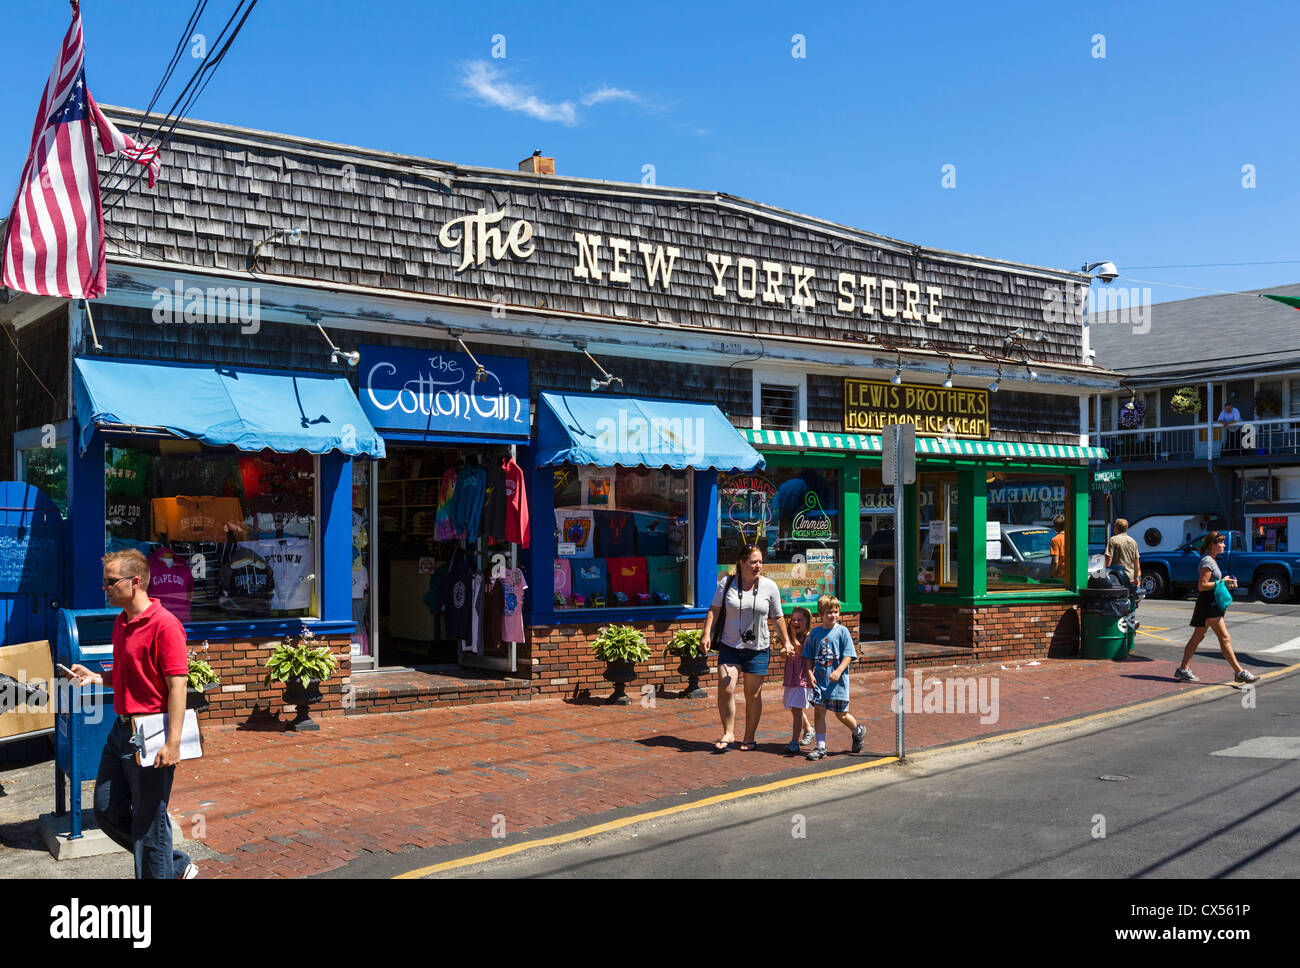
[{"x": 110, "y": 584}]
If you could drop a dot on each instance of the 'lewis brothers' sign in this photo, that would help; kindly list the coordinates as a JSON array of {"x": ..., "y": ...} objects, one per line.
[
  {"x": 436, "y": 392},
  {"x": 870, "y": 406}
]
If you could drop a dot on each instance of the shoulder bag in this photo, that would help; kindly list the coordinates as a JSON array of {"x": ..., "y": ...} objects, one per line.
[
  {"x": 1222, "y": 594},
  {"x": 715, "y": 634}
]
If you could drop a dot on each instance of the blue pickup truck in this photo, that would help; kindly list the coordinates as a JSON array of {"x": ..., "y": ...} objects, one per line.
[{"x": 1270, "y": 575}]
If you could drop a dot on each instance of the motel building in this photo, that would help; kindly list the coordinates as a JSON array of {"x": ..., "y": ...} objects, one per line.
[{"x": 332, "y": 384}]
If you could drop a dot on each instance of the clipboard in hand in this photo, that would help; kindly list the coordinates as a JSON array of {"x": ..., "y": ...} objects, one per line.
[{"x": 151, "y": 736}]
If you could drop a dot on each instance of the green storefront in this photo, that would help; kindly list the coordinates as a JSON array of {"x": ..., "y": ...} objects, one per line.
[{"x": 991, "y": 572}]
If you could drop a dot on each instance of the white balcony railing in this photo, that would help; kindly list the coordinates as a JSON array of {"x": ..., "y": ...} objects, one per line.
[{"x": 1275, "y": 435}]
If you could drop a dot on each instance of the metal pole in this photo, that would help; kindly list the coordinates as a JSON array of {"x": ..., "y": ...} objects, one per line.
[{"x": 899, "y": 583}]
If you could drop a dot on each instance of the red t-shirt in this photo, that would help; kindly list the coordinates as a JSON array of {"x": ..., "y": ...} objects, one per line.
[
  {"x": 146, "y": 650},
  {"x": 627, "y": 575},
  {"x": 517, "y": 529}
]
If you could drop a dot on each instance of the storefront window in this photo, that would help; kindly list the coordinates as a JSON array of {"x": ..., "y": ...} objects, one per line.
[
  {"x": 792, "y": 514},
  {"x": 1028, "y": 551},
  {"x": 938, "y": 540},
  {"x": 1269, "y": 534},
  {"x": 623, "y": 537},
  {"x": 227, "y": 535},
  {"x": 47, "y": 468}
]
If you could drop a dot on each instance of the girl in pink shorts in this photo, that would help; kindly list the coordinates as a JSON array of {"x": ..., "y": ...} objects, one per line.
[{"x": 798, "y": 686}]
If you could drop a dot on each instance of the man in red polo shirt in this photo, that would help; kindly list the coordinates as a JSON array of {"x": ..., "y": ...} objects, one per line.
[{"x": 149, "y": 672}]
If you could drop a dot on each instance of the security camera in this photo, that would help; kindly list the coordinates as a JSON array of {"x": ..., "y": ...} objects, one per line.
[{"x": 1107, "y": 272}]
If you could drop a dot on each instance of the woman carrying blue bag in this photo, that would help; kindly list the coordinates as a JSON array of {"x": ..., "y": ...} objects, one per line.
[{"x": 1214, "y": 595}]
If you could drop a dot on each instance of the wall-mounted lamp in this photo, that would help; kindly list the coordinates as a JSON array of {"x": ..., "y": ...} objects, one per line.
[
  {"x": 993, "y": 387},
  {"x": 336, "y": 354},
  {"x": 609, "y": 378},
  {"x": 1132, "y": 395},
  {"x": 294, "y": 234}
]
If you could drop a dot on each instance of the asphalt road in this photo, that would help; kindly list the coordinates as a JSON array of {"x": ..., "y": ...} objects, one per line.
[
  {"x": 1265, "y": 637},
  {"x": 1209, "y": 789}
]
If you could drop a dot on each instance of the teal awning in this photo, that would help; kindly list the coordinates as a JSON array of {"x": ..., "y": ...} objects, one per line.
[
  {"x": 609, "y": 430},
  {"x": 223, "y": 406},
  {"x": 938, "y": 446}
]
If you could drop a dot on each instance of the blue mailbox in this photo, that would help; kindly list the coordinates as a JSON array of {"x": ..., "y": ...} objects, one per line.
[{"x": 84, "y": 716}]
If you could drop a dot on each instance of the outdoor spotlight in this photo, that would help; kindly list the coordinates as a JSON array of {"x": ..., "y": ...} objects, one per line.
[
  {"x": 993, "y": 387},
  {"x": 947, "y": 384},
  {"x": 480, "y": 374},
  {"x": 595, "y": 384},
  {"x": 1106, "y": 271},
  {"x": 352, "y": 358},
  {"x": 1032, "y": 374},
  {"x": 897, "y": 378}
]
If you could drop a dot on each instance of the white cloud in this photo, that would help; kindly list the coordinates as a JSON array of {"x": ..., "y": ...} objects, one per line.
[
  {"x": 607, "y": 93},
  {"x": 489, "y": 85}
]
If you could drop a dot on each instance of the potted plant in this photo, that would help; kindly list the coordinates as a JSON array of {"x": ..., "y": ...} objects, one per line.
[
  {"x": 1132, "y": 414},
  {"x": 302, "y": 666},
  {"x": 1268, "y": 403},
  {"x": 620, "y": 647},
  {"x": 1186, "y": 400},
  {"x": 688, "y": 646},
  {"x": 199, "y": 678}
]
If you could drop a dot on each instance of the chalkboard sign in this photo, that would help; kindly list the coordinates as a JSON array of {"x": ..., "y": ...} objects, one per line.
[{"x": 29, "y": 559}]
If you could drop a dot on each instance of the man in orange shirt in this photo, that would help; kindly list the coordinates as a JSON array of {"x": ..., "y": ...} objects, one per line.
[
  {"x": 1058, "y": 547},
  {"x": 149, "y": 671}
]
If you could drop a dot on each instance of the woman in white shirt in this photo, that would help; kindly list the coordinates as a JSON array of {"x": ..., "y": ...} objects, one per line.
[{"x": 745, "y": 602}]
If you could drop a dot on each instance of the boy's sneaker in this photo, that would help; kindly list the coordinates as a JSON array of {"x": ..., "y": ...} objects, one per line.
[
  {"x": 807, "y": 738},
  {"x": 793, "y": 748},
  {"x": 817, "y": 754},
  {"x": 1185, "y": 675},
  {"x": 859, "y": 737},
  {"x": 1244, "y": 676},
  {"x": 191, "y": 871}
]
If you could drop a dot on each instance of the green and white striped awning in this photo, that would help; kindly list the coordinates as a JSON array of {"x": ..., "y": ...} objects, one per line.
[{"x": 938, "y": 446}]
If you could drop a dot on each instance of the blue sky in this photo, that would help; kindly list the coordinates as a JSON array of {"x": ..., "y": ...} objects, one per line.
[{"x": 1060, "y": 156}]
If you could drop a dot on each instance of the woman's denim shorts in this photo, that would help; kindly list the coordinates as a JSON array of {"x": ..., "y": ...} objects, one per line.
[{"x": 750, "y": 661}]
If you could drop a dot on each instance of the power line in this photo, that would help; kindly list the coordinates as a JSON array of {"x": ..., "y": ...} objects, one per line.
[
  {"x": 120, "y": 164},
  {"x": 208, "y": 67},
  {"x": 1220, "y": 265}
]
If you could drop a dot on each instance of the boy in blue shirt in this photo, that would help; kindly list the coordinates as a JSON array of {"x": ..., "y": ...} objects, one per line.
[{"x": 827, "y": 655}]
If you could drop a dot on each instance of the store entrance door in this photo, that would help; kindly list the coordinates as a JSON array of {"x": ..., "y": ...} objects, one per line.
[{"x": 436, "y": 559}]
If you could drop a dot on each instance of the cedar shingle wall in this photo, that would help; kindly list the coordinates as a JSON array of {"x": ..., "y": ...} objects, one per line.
[{"x": 376, "y": 227}]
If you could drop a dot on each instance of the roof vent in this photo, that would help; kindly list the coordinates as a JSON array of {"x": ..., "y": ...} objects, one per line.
[{"x": 537, "y": 164}]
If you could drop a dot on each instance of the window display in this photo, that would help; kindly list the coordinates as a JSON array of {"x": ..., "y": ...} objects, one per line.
[
  {"x": 225, "y": 534},
  {"x": 938, "y": 540},
  {"x": 621, "y": 536},
  {"x": 1029, "y": 548},
  {"x": 792, "y": 514}
]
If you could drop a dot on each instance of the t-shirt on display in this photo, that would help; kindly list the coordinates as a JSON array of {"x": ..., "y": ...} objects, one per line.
[{"x": 576, "y": 528}]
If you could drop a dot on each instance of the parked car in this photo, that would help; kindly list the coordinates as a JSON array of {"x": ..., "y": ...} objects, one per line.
[
  {"x": 1027, "y": 553},
  {"x": 1270, "y": 575}
]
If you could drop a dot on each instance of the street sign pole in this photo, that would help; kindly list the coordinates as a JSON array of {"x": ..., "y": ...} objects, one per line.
[{"x": 898, "y": 467}]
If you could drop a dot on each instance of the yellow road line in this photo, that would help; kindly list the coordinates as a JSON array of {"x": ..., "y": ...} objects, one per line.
[
  {"x": 1160, "y": 637},
  {"x": 586, "y": 832}
]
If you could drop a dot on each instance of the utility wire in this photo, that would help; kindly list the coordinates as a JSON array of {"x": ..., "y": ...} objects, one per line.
[
  {"x": 1218, "y": 265},
  {"x": 208, "y": 67}
]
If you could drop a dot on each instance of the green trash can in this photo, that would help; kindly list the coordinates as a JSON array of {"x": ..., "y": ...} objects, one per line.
[{"x": 1105, "y": 613}]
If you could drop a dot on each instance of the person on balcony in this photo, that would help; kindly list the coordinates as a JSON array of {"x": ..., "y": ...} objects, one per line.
[{"x": 1228, "y": 418}]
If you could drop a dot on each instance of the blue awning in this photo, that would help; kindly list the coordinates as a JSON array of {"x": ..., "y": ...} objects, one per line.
[
  {"x": 223, "y": 406},
  {"x": 607, "y": 430}
]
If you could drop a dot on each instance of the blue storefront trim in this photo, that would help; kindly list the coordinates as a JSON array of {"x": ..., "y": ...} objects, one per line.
[
  {"x": 539, "y": 608},
  {"x": 264, "y": 629}
]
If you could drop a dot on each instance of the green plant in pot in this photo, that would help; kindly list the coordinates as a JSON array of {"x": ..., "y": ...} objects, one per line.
[
  {"x": 688, "y": 646},
  {"x": 198, "y": 679},
  {"x": 620, "y": 647},
  {"x": 1186, "y": 400},
  {"x": 302, "y": 666}
]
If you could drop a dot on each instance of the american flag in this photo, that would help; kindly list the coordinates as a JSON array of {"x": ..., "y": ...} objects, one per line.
[{"x": 54, "y": 239}]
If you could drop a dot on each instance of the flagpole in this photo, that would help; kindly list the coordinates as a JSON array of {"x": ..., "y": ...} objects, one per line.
[{"x": 95, "y": 338}]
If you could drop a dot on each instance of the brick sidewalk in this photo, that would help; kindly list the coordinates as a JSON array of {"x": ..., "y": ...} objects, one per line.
[{"x": 280, "y": 804}]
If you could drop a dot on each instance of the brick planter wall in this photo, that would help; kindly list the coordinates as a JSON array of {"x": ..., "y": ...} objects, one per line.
[
  {"x": 558, "y": 659},
  {"x": 242, "y": 667},
  {"x": 1011, "y": 631}
]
